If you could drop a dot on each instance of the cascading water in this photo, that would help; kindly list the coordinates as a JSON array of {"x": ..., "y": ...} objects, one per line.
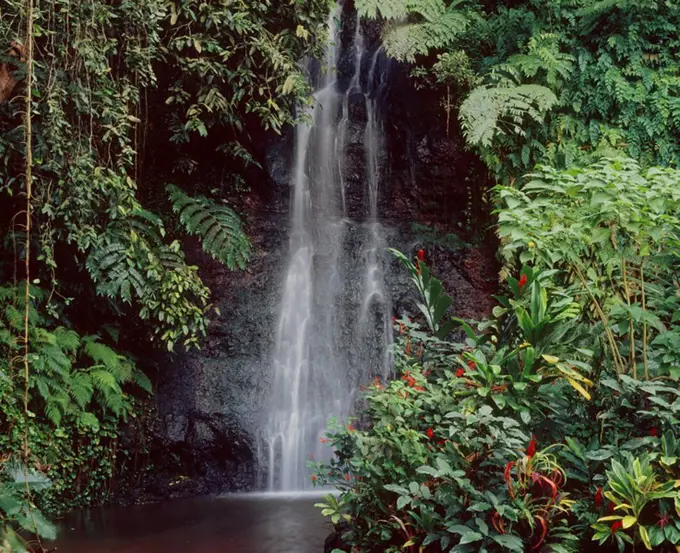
[{"x": 334, "y": 329}]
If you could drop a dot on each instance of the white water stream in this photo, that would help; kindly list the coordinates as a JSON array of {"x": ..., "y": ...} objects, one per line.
[{"x": 334, "y": 327}]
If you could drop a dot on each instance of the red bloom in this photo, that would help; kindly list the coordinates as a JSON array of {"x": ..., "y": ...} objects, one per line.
[
  {"x": 313, "y": 478},
  {"x": 508, "y": 477},
  {"x": 616, "y": 526},
  {"x": 531, "y": 449},
  {"x": 350, "y": 428},
  {"x": 347, "y": 477},
  {"x": 653, "y": 432},
  {"x": 421, "y": 255},
  {"x": 522, "y": 281},
  {"x": 471, "y": 365},
  {"x": 598, "y": 498},
  {"x": 460, "y": 372},
  {"x": 430, "y": 433},
  {"x": 611, "y": 506},
  {"x": 508, "y": 469}
]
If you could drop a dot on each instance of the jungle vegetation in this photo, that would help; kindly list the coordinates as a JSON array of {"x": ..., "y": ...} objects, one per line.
[
  {"x": 548, "y": 426},
  {"x": 551, "y": 426}
]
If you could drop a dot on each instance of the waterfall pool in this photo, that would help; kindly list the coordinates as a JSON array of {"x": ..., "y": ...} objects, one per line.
[{"x": 240, "y": 523}]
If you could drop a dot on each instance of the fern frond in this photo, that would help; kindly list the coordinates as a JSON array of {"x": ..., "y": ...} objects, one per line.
[
  {"x": 489, "y": 111},
  {"x": 404, "y": 41},
  {"x": 67, "y": 340},
  {"x": 104, "y": 381},
  {"x": 101, "y": 353},
  {"x": 50, "y": 359},
  {"x": 394, "y": 9},
  {"x": 81, "y": 388},
  {"x": 218, "y": 227},
  {"x": 53, "y": 413},
  {"x": 142, "y": 381}
]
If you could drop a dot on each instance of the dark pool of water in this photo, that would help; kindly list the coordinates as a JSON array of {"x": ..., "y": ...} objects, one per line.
[{"x": 258, "y": 523}]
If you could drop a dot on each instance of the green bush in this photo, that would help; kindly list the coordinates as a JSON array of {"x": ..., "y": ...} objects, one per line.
[
  {"x": 80, "y": 391},
  {"x": 523, "y": 438}
]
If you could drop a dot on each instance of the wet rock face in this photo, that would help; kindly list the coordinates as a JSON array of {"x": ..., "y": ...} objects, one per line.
[{"x": 212, "y": 402}]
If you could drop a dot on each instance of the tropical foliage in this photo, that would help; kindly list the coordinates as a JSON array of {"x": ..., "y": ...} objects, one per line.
[
  {"x": 103, "y": 105},
  {"x": 556, "y": 82},
  {"x": 523, "y": 437}
]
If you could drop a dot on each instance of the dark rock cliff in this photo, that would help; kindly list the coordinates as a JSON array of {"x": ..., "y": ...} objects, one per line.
[{"x": 211, "y": 402}]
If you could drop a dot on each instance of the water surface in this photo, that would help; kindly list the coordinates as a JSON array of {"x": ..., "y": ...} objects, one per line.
[{"x": 253, "y": 523}]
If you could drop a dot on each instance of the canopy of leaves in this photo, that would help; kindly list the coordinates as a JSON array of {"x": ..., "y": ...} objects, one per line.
[
  {"x": 603, "y": 75},
  {"x": 104, "y": 74}
]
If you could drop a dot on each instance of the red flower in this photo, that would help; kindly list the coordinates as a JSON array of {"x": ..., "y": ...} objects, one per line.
[
  {"x": 598, "y": 498},
  {"x": 508, "y": 477},
  {"x": 471, "y": 365},
  {"x": 665, "y": 519},
  {"x": 421, "y": 255},
  {"x": 350, "y": 428},
  {"x": 531, "y": 449},
  {"x": 508, "y": 469},
  {"x": 460, "y": 372},
  {"x": 616, "y": 526},
  {"x": 394, "y": 319},
  {"x": 653, "y": 432},
  {"x": 347, "y": 477},
  {"x": 313, "y": 478},
  {"x": 611, "y": 506},
  {"x": 522, "y": 281},
  {"x": 430, "y": 433}
]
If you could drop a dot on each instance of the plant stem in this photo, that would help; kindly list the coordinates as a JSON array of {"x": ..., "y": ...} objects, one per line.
[
  {"x": 631, "y": 327},
  {"x": 618, "y": 361},
  {"x": 644, "y": 320}
]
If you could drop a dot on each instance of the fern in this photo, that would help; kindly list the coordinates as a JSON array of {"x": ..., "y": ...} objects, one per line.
[
  {"x": 489, "y": 111},
  {"x": 218, "y": 227},
  {"x": 406, "y": 41},
  {"x": 142, "y": 381},
  {"x": 81, "y": 388},
  {"x": 102, "y": 354},
  {"x": 394, "y": 9}
]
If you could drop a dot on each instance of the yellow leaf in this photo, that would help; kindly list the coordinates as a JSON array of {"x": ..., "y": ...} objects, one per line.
[
  {"x": 580, "y": 389},
  {"x": 645, "y": 537},
  {"x": 302, "y": 32},
  {"x": 608, "y": 518},
  {"x": 551, "y": 359},
  {"x": 628, "y": 521},
  {"x": 622, "y": 506}
]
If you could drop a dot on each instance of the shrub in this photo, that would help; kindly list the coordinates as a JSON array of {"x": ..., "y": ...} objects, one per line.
[{"x": 523, "y": 438}]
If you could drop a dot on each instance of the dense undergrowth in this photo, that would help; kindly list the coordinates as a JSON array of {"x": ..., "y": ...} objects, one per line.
[
  {"x": 551, "y": 425},
  {"x": 554, "y": 424},
  {"x": 125, "y": 127}
]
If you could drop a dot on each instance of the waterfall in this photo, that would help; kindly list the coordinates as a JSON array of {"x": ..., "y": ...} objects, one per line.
[{"x": 334, "y": 327}]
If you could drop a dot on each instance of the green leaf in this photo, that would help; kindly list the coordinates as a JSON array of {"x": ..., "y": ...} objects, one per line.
[{"x": 512, "y": 543}]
